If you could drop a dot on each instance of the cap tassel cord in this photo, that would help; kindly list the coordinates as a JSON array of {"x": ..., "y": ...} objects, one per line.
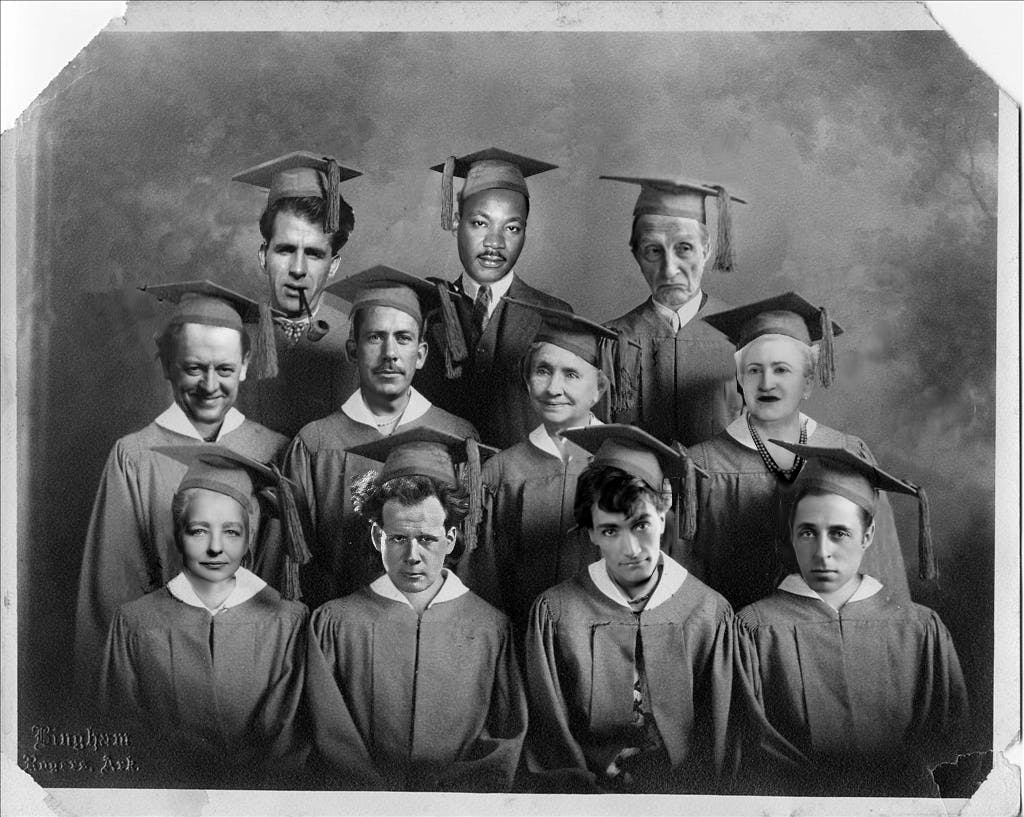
[
  {"x": 455, "y": 351},
  {"x": 333, "y": 192},
  {"x": 688, "y": 528},
  {"x": 475, "y": 515},
  {"x": 826, "y": 352},
  {"x": 724, "y": 261},
  {"x": 448, "y": 195},
  {"x": 297, "y": 553},
  {"x": 265, "y": 346},
  {"x": 628, "y": 368},
  {"x": 609, "y": 365},
  {"x": 927, "y": 566}
]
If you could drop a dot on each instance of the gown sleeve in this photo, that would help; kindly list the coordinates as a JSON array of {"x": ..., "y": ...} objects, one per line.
[{"x": 942, "y": 711}]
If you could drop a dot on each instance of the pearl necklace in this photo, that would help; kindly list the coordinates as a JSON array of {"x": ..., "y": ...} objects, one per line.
[{"x": 787, "y": 475}]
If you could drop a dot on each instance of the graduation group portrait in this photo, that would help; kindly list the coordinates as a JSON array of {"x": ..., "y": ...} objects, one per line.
[{"x": 532, "y": 411}]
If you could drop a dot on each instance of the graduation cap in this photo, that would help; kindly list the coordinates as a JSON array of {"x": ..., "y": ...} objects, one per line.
[
  {"x": 429, "y": 452},
  {"x": 789, "y": 315},
  {"x": 300, "y": 175},
  {"x": 684, "y": 198},
  {"x": 488, "y": 169},
  {"x": 211, "y": 304},
  {"x": 215, "y": 467},
  {"x": 569, "y": 331},
  {"x": 385, "y": 286},
  {"x": 845, "y": 472},
  {"x": 638, "y": 453}
]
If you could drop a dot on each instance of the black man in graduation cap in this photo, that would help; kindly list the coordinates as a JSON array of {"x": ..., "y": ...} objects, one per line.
[
  {"x": 388, "y": 348},
  {"x": 129, "y": 549},
  {"x": 302, "y": 333},
  {"x": 679, "y": 385},
  {"x": 477, "y": 341}
]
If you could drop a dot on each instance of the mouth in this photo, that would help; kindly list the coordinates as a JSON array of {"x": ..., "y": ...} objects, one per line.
[
  {"x": 768, "y": 398},
  {"x": 490, "y": 259},
  {"x": 633, "y": 563},
  {"x": 388, "y": 372},
  {"x": 214, "y": 565}
]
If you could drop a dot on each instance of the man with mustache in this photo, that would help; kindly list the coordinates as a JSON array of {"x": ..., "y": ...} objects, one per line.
[
  {"x": 683, "y": 388},
  {"x": 130, "y": 547},
  {"x": 388, "y": 348},
  {"x": 301, "y": 344},
  {"x": 473, "y": 370}
]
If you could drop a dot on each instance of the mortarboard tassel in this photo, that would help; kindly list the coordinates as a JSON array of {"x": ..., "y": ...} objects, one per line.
[
  {"x": 688, "y": 529},
  {"x": 448, "y": 195},
  {"x": 826, "y": 352},
  {"x": 475, "y": 494},
  {"x": 455, "y": 351},
  {"x": 724, "y": 261},
  {"x": 297, "y": 553},
  {"x": 265, "y": 345},
  {"x": 333, "y": 193},
  {"x": 927, "y": 567}
]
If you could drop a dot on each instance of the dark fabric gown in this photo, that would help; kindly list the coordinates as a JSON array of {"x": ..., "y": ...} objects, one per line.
[
  {"x": 129, "y": 549},
  {"x": 490, "y": 392},
  {"x": 318, "y": 460},
  {"x": 527, "y": 547},
  {"x": 314, "y": 378},
  {"x": 400, "y": 702},
  {"x": 211, "y": 701},
  {"x": 581, "y": 651},
  {"x": 684, "y": 385},
  {"x": 742, "y": 548},
  {"x": 858, "y": 702}
]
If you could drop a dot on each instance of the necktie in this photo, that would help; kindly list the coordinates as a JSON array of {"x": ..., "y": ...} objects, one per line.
[
  {"x": 293, "y": 329},
  {"x": 480, "y": 308}
]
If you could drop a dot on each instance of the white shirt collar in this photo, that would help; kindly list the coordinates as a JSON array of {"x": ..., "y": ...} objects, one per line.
[
  {"x": 542, "y": 440},
  {"x": 499, "y": 289},
  {"x": 738, "y": 430},
  {"x": 247, "y": 585},
  {"x": 673, "y": 575},
  {"x": 684, "y": 314},
  {"x": 794, "y": 583},
  {"x": 356, "y": 409},
  {"x": 451, "y": 589},
  {"x": 174, "y": 419}
]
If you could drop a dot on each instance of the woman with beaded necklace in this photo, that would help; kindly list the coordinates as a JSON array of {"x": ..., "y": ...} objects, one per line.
[{"x": 737, "y": 548}]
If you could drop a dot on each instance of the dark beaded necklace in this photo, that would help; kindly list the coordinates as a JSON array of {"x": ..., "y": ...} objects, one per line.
[{"x": 786, "y": 475}]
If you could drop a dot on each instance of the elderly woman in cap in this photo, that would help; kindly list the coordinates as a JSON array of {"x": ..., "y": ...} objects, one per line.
[
  {"x": 737, "y": 543},
  {"x": 860, "y": 691},
  {"x": 208, "y": 669}
]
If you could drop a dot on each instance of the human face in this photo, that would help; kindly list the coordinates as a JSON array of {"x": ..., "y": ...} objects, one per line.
[
  {"x": 297, "y": 258},
  {"x": 631, "y": 546},
  {"x": 204, "y": 373},
  {"x": 214, "y": 536},
  {"x": 563, "y": 387},
  {"x": 671, "y": 255},
  {"x": 491, "y": 228},
  {"x": 412, "y": 542},
  {"x": 829, "y": 541},
  {"x": 387, "y": 351},
  {"x": 773, "y": 379}
]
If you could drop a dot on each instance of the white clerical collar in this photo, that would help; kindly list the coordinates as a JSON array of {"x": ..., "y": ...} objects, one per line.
[
  {"x": 355, "y": 408},
  {"x": 174, "y": 419},
  {"x": 673, "y": 575},
  {"x": 247, "y": 585},
  {"x": 542, "y": 440},
  {"x": 499, "y": 289},
  {"x": 794, "y": 583},
  {"x": 684, "y": 314},
  {"x": 739, "y": 431},
  {"x": 451, "y": 589}
]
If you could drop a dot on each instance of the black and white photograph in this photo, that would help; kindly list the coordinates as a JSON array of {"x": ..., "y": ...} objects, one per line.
[{"x": 441, "y": 408}]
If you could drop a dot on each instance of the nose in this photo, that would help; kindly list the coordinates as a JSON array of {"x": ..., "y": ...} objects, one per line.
[
  {"x": 215, "y": 546},
  {"x": 412, "y": 553},
  {"x": 766, "y": 381},
  {"x": 556, "y": 384},
  {"x": 494, "y": 238},
  {"x": 822, "y": 549},
  {"x": 297, "y": 267},
  {"x": 389, "y": 348},
  {"x": 632, "y": 547},
  {"x": 209, "y": 381}
]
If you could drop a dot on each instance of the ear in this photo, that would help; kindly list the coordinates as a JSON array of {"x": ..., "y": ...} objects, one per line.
[
  {"x": 351, "y": 349},
  {"x": 261, "y": 254},
  {"x": 245, "y": 367},
  {"x": 335, "y": 264},
  {"x": 661, "y": 521},
  {"x": 421, "y": 353},
  {"x": 808, "y": 386},
  {"x": 456, "y": 219},
  {"x": 869, "y": 536},
  {"x": 377, "y": 536},
  {"x": 450, "y": 537}
]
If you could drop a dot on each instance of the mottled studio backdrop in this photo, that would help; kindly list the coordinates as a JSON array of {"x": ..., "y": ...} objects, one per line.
[{"x": 868, "y": 159}]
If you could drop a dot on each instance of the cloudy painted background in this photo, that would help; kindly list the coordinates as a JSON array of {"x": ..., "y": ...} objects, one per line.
[{"x": 868, "y": 159}]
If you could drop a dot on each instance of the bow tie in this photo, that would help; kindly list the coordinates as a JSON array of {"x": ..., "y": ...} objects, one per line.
[{"x": 294, "y": 330}]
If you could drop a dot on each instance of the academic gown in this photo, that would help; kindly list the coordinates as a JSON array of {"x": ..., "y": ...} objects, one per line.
[
  {"x": 581, "y": 655},
  {"x": 314, "y": 378},
  {"x": 129, "y": 549},
  {"x": 209, "y": 700},
  {"x": 526, "y": 546},
  {"x": 419, "y": 703},
  {"x": 742, "y": 548},
  {"x": 490, "y": 392},
  {"x": 683, "y": 385},
  {"x": 857, "y": 702},
  {"x": 343, "y": 557}
]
